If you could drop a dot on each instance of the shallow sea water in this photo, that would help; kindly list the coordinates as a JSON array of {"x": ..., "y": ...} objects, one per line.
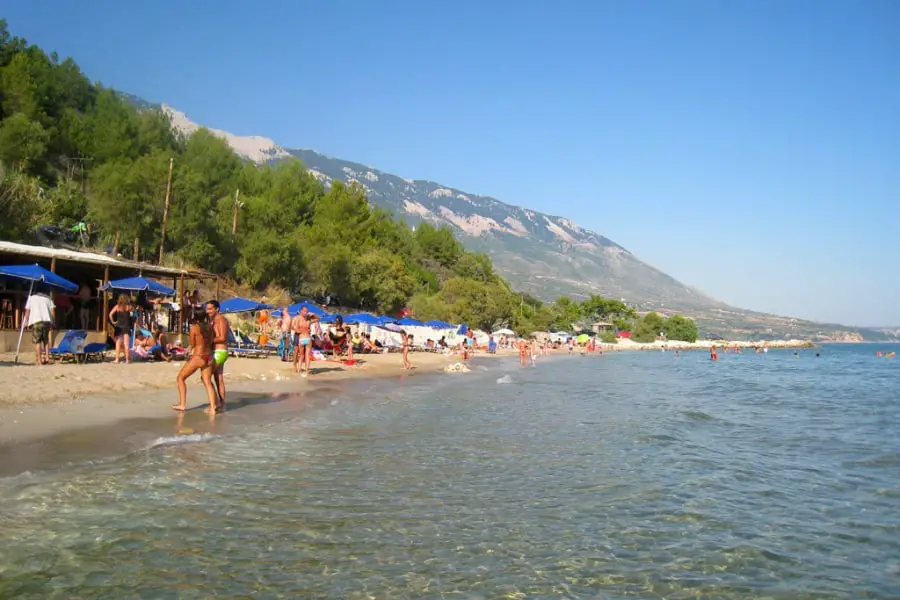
[{"x": 634, "y": 475}]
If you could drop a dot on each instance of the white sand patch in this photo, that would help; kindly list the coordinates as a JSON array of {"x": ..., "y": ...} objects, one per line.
[
  {"x": 515, "y": 227},
  {"x": 465, "y": 198},
  {"x": 350, "y": 172},
  {"x": 256, "y": 148},
  {"x": 319, "y": 175},
  {"x": 371, "y": 176},
  {"x": 441, "y": 193},
  {"x": 570, "y": 225},
  {"x": 414, "y": 208},
  {"x": 560, "y": 232},
  {"x": 474, "y": 224}
]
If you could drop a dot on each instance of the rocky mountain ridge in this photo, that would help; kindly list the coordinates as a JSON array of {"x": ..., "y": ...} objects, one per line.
[{"x": 545, "y": 255}]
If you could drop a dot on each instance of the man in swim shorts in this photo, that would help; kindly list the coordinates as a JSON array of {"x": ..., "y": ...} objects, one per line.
[{"x": 220, "y": 348}]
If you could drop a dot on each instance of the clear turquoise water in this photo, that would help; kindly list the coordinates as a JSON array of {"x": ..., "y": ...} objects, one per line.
[{"x": 628, "y": 476}]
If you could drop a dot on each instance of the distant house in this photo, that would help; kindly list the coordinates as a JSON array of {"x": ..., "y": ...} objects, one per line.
[{"x": 601, "y": 326}]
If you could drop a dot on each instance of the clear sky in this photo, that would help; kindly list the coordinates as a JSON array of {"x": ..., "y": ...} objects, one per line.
[{"x": 750, "y": 148}]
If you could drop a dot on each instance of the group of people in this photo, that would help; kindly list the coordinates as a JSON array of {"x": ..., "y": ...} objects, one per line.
[
  {"x": 305, "y": 335},
  {"x": 208, "y": 331}
]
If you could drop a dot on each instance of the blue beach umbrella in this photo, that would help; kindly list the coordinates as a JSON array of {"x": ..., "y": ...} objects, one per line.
[
  {"x": 35, "y": 274},
  {"x": 363, "y": 319},
  {"x": 410, "y": 323},
  {"x": 438, "y": 324},
  {"x": 294, "y": 309},
  {"x": 463, "y": 329},
  {"x": 242, "y": 305},
  {"x": 138, "y": 284}
]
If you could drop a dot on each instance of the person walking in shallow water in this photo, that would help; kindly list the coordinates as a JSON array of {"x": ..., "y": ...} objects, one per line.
[
  {"x": 220, "y": 348},
  {"x": 201, "y": 359},
  {"x": 407, "y": 340}
]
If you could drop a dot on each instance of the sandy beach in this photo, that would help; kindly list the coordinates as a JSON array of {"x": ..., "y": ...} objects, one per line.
[{"x": 41, "y": 401}]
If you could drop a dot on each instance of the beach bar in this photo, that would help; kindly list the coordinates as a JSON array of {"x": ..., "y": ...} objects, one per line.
[{"x": 91, "y": 270}]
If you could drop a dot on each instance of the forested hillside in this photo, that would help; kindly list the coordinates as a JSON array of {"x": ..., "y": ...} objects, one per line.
[{"x": 72, "y": 151}]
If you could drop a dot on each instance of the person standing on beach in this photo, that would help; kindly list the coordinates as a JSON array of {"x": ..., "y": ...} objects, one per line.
[
  {"x": 220, "y": 348},
  {"x": 285, "y": 334},
  {"x": 407, "y": 340},
  {"x": 201, "y": 342},
  {"x": 122, "y": 319},
  {"x": 39, "y": 314},
  {"x": 302, "y": 340}
]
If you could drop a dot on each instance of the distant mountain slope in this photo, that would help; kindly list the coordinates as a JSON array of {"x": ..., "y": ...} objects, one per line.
[{"x": 542, "y": 254}]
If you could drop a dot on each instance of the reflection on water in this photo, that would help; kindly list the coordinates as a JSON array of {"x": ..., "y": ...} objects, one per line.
[{"x": 636, "y": 475}]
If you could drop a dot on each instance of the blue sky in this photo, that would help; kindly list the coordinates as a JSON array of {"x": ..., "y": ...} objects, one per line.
[{"x": 748, "y": 148}]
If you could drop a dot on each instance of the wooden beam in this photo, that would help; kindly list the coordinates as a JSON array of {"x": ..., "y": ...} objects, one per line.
[
  {"x": 183, "y": 305},
  {"x": 103, "y": 316},
  {"x": 165, "y": 219}
]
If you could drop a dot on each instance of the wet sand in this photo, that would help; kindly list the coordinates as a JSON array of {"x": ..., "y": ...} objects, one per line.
[
  {"x": 109, "y": 410},
  {"x": 39, "y": 401}
]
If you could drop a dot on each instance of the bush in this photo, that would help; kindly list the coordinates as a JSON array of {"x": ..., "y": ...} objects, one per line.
[{"x": 608, "y": 337}]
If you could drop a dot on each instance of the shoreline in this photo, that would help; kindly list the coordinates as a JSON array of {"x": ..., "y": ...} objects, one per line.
[
  {"x": 51, "y": 434},
  {"x": 61, "y": 413},
  {"x": 52, "y": 398}
]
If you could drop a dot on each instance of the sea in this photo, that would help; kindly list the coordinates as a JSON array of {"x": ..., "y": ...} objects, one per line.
[{"x": 628, "y": 475}]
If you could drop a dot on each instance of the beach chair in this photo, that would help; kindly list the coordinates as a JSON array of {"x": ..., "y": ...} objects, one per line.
[
  {"x": 235, "y": 348},
  {"x": 246, "y": 342},
  {"x": 70, "y": 346},
  {"x": 95, "y": 351}
]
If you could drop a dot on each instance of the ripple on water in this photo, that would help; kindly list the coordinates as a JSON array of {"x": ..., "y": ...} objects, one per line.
[{"x": 627, "y": 476}]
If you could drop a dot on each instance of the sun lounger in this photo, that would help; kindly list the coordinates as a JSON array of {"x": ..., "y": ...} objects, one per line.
[
  {"x": 236, "y": 349},
  {"x": 246, "y": 342},
  {"x": 72, "y": 346}
]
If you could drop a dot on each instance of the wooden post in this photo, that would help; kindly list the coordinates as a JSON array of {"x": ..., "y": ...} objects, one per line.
[
  {"x": 105, "y": 297},
  {"x": 237, "y": 194},
  {"x": 52, "y": 294},
  {"x": 183, "y": 306},
  {"x": 162, "y": 238}
]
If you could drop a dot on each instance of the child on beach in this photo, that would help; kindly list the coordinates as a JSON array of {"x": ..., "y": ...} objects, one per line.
[
  {"x": 201, "y": 358},
  {"x": 407, "y": 340}
]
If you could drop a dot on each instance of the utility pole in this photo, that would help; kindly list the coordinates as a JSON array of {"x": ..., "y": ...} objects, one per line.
[
  {"x": 162, "y": 240},
  {"x": 237, "y": 194}
]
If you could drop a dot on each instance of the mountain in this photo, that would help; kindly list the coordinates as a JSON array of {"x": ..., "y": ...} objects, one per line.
[{"x": 545, "y": 255}]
